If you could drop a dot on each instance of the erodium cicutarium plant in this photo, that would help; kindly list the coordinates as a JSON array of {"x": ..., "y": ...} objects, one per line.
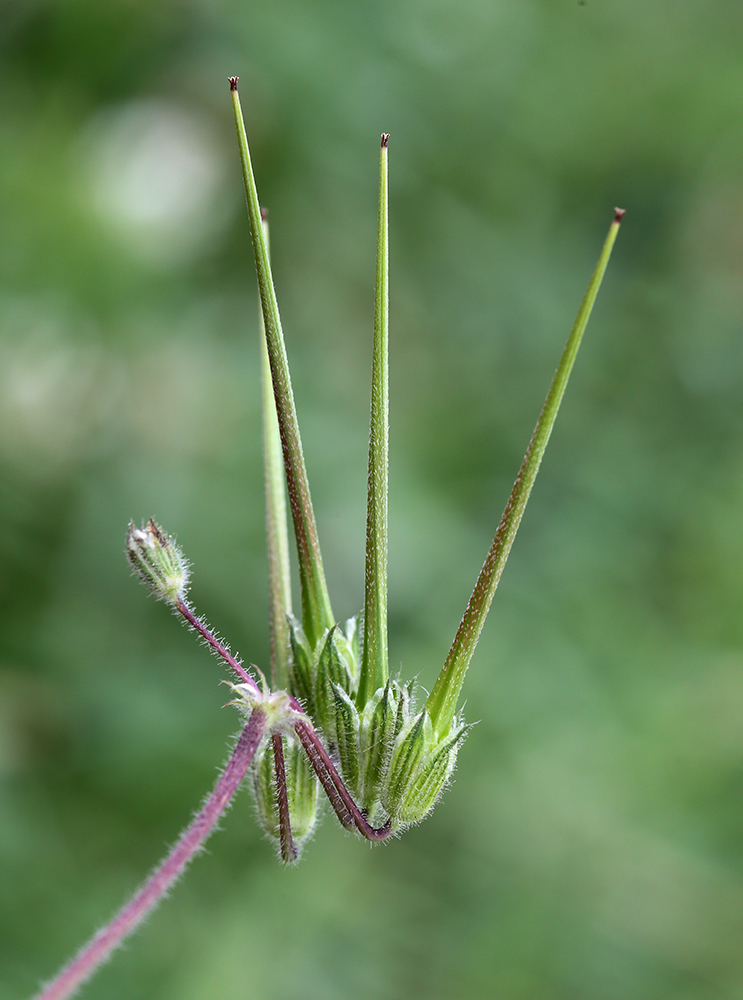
[{"x": 332, "y": 720}]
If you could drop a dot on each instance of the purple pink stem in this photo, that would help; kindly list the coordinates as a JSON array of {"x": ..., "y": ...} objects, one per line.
[
  {"x": 100, "y": 947},
  {"x": 219, "y": 647}
]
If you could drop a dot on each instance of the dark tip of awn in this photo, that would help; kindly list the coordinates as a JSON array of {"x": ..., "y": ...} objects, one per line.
[
  {"x": 233, "y": 82},
  {"x": 385, "y": 139},
  {"x": 618, "y": 213}
]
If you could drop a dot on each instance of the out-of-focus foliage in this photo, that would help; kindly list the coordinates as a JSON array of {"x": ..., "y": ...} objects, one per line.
[{"x": 592, "y": 844}]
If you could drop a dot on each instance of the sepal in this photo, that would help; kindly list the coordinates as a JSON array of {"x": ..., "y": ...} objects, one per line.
[
  {"x": 332, "y": 670},
  {"x": 354, "y": 637},
  {"x": 420, "y": 768},
  {"x": 301, "y": 666},
  {"x": 424, "y": 789},
  {"x": 347, "y": 725},
  {"x": 313, "y": 672},
  {"x": 410, "y": 747},
  {"x": 302, "y": 787},
  {"x": 377, "y": 739}
]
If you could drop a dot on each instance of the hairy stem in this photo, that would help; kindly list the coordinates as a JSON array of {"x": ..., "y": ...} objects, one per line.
[
  {"x": 100, "y": 947},
  {"x": 340, "y": 798},
  {"x": 211, "y": 640}
]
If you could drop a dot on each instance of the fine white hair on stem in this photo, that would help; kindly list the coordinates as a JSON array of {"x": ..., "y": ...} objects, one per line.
[{"x": 101, "y": 946}]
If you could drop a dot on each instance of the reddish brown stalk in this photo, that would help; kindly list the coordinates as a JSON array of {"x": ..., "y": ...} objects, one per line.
[
  {"x": 289, "y": 852},
  {"x": 340, "y": 798}
]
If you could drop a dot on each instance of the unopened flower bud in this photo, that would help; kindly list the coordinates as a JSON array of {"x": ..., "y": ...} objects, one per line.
[{"x": 157, "y": 561}]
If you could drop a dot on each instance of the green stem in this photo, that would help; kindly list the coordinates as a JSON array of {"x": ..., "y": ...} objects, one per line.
[
  {"x": 277, "y": 534},
  {"x": 317, "y": 614},
  {"x": 374, "y": 661},
  {"x": 442, "y": 701}
]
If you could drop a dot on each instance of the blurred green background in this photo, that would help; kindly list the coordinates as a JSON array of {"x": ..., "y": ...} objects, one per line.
[{"x": 591, "y": 845}]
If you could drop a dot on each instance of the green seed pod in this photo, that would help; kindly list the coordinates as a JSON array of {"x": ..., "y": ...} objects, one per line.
[
  {"x": 157, "y": 561},
  {"x": 395, "y": 760}
]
